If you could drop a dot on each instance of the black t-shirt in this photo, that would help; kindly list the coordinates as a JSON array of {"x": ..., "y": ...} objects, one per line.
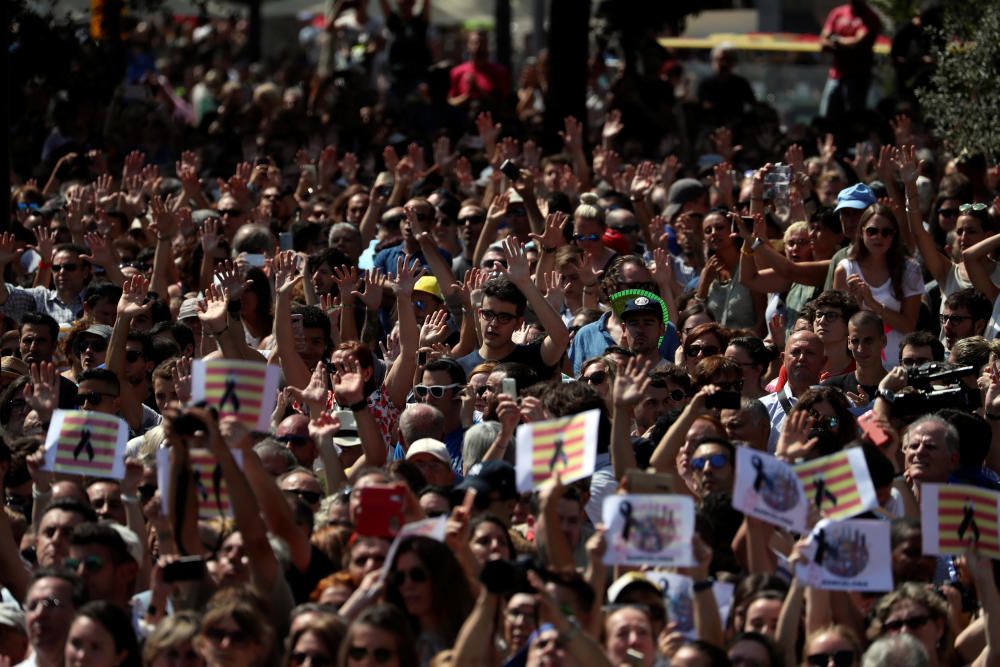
[
  {"x": 303, "y": 583},
  {"x": 529, "y": 355},
  {"x": 848, "y": 382}
]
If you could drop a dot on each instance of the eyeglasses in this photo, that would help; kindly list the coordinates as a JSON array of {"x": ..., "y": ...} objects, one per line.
[
  {"x": 317, "y": 659},
  {"x": 132, "y": 356},
  {"x": 472, "y": 220},
  {"x": 230, "y": 212},
  {"x": 911, "y": 623},
  {"x": 310, "y": 497},
  {"x": 59, "y": 268},
  {"x": 417, "y": 575},
  {"x": 840, "y": 659},
  {"x": 481, "y": 390},
  {"x": 822, "y": 421},
  {"x": 520, "y": 613},
  {"x": 716, "y": 460},
  {"x": 947, "y": 212},
  {"x": 218, "y": 635},
  {"x": 965, "y": 208},
  {"x": 884, "y": 232},
  {"x": 435, "y": 390},
  {"x": 92, "y": 397},
  {"x": 502, "y": 318},
  {"x": 488, "y": 263},
  {"x": 831, "y": 315},
  {"x": 595, "y": 378},
  {"x": 44, "y": 603},
  {"x": 380, "y": 655},
  {"x": 586, "y": 237},
  {"x": 701, "y": 350},
  {"x": 95, "y": 344},
  {"x": 957, "y": 319},
  {"x": 91, "y": 563},
  {"x": 626, "y": 229},
  {"x": 914, "y": 361}
]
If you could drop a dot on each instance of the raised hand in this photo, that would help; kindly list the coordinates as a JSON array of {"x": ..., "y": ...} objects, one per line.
[
  {"x": 164, "y": 219},
  {"x": 373, "y": 285},
  {"x": 347, "y": 282},
  {"x": 443, "y": 157},
  {"x": 613, "y": 125},
  {"x": 907, "y": 163},
  {"x": 286, "y": 272},
  {"x": 181, "y": 375},
  {"x": 434, "y": 329},
  {"x": 723, "y": 173},
  {"x": 487, "y": 130},
  {"x": 416, "y": 156},
  {"x": 212, "y": 311},
  {"x": 644, "y": 180},
  {"x": 324, "y": 427},
  {"x": 231, "y": 280},
  {"x": 795, "y": 158},
  {"x": 8, "y": 253},
  {"x": 518, "y": 268},
  {"x": 102, "y": 253},
  {"x": 902, "y": 129},
  {"x": 669, "y": 169},
  {"x": 631, "y": 383},
  {"x": 134, "y": 300},
  {"x": 134, "y": 162},
  {"x": 498, "y": 208},
  {"x": 722, "y": 139},
  {"x": 407, "y": 275},
  {"x": 552, "y": 235},
  {"x": 463, "y": 172},
  {"x": 349, "y": 383},
  {"x": 390, "y": 158},
  {"x": 315, "y": 392},
  {"x": 332, "y": 307},
  {"x": 795, "y": 442},
  {"x": 554, "y": 294},
  {"x": 42, "y": 391},
  {"x": 827, "y": 148},
  {"x": 531, "y": 155}
]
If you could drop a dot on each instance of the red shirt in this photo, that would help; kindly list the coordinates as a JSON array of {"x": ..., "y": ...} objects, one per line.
[
  {"x": 492, "y": 84},
  {"x": 844, "y": 22}
]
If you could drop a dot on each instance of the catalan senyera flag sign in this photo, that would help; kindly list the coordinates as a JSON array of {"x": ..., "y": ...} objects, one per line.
[
  {"x": 839, "y": 485},
  {"x": 955, "y": 517},
  {"x": 206, "y": 475},
  {"x": 82, "y": 442},
  {"x": 567, "y": 446},
  {"x": 246, "y": 390}
]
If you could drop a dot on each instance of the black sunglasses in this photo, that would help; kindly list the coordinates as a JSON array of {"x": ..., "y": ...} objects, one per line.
[
  {"x": 417, "y": 575},
  {"x": 132, "y": 356},
  {"x": 840, "y": 659},
  {"x": 310, "y": 497},
  {"x": 95, "y": 344},
  {"x": 595, "y": 378},
  {"x": 92, "y": 397},
  {"x": 380, "y": 655}
]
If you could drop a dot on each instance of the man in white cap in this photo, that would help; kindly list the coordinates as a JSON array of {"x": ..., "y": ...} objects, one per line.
[
  {"x": 13, "y": 633},
  {"x": 431, "y": 457}
]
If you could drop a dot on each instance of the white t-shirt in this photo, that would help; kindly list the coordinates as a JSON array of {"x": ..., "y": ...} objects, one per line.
[{"x": 913, "y": 285}]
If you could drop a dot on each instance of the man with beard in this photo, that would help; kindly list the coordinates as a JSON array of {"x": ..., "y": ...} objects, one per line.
[
  {"x": 37, "y": 342},
  {"x": 642, "y": 327}
]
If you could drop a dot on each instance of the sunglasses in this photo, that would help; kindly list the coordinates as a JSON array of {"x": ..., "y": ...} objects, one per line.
[
  {"x": 555, "y": 640},
  {"x": 481, "y": 390},
  {"x": 292, "y": 439},
  {"x": 472, "y": 220},
  {"x": 822, "y": 421},
  {"x": 435, "y": 390},
  {"x": 965, "y": 208},
  {"x": 717, "y": 461},
  {"x": 59, "y": 268},
  {"x": 947, "y": 212},
  {"x": 90, "y": 563},
  {"x": 839, "y": 658},
  {"x": 911, "y": 623},
  {"x": 379, "y": 655},
  {"x": 957, "y": 319},
  {"x": 884, "y": 232},
  {"x": 595, "y": 378},
  {"x": 317, "y": 659},
  {"x": 94, "y": 344},
  {"x": 488, "y": 264},
  {"x": 44, "y": 603},
  {"x": 417, "y": 575},
  {"x": 310, "y": 497},
  {"x": 227, "y": 212},
  {"x": 701, "y": 350},
  {"x": 92, "y": 397},
  {"x": 132, "y": 356},
  {"x": 217, "y": 635},
  {"x": 587, "y": 237},
  {"x": 502, "y": 318}
]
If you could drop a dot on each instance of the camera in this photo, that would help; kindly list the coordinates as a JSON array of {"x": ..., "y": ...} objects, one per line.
[
  {"x": 504, "y": 577},
  {"x": 934, "y": 386}
]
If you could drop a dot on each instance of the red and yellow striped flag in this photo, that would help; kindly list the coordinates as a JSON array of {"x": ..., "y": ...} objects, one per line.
[
  {"x": 957, "y": 516},
  {"x": 243, "y": 389},
  {"x": 838, "y": 485},
  {"x": 82, "y": 442},
  {"x": 566, "y": 446}
]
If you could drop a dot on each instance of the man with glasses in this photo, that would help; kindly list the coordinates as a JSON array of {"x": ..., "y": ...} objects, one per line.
[
  {"x": 70, "y": 272},
  {"x": 502, "y": 313},
  {"x": 101, "y": 557},
  {"x": 91, "y": 346},
  {"x": 919, "y": 348},
  {"x": 832, "y": 311},
  {"x": 53, "y": 597},
  {"x": 302, "y": 483},
  {"x": 964, "y": 314},
  {"x": 293, "y": 433},
  {"x": 441, "y": 386},
  {"x": 712, "y": 466},
  {"x": 231, "y": 214}
]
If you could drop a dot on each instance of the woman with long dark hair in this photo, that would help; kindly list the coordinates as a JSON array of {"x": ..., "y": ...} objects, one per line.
[
  {"x": 880, "y": 275},
  {"x": 101, "y": 636}
]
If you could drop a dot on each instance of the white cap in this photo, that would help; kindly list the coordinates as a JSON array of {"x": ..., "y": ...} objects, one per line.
[
  {"x": 13, "y": 616},
  {"x": 131, "y": 540},
  {"x": 431, "y": 446},
  {"x": 347, "y": 436}
]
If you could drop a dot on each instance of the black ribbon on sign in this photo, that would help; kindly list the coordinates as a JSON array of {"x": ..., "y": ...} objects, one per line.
[
  {"x": 202, "y": 491},
  {"x": 823, "y": 493},
  {"x": 822, "y": 547},
  {"x": 84, "y": 445},
  {"x": 558, "y": 455},
  {"x": 625, "y": 509},
  {"x": 968, "y": 522},
  {"x": 761, "y": 478},
  {"x": 229, "y": 394},
  {"x": 217, "y": 486}
]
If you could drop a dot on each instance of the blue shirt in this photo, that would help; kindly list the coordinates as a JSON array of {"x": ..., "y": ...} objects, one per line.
[
  {"x": 594, "y": 338},
  {"x": 386, "y": 259}
]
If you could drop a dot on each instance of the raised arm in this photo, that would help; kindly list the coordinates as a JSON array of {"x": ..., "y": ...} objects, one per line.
[
  {"x": 629, "y": 386},
  {"x": 131, "y": 304},
  {"x": 349, "y": 391},
  {"x": 986, "y": 588},
  {"x": 664, "y": 458},
  {"x": 494, "y": 216},
  {"x": 937, "y": 263},
  {"x": 369, "y": 223},
  {"x": 399, "y": 378},
  {"x": 979, "y": 267},
  {"x": 557, "y": 335},
  {"x": 165, "y": 227},
  {"x": 552, "y": 542},
  {"x": 286, "y": 276}
]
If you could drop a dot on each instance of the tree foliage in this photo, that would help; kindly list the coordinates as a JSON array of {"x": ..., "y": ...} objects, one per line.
[{"x": 962, "y": 99}]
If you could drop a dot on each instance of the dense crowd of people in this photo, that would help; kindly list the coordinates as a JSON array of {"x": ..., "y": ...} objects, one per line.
[{"x": 387, "y": 222}]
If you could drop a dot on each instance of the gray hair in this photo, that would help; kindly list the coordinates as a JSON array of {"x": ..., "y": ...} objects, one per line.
[
  {"x": 901, "y": 649},
  {"x": 254, "y": 240},
  {"x": 477, "y": 440},
  {"x": 951, "y": 438},
  {"x": 344, "y": 227},
  {"x": 420, "y": 420},
  {"x": 272, "y": 446},
  {"x": 756, "y": 410}
]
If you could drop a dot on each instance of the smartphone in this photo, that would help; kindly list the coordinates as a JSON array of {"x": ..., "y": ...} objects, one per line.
[
  {"x": 422, "y": 358},
  {"x": 299, "y": 332},
  {"x": 185, "y": 568},
  {"x": 723, "y": 400},
  {"x": 285, "y": 241},
  {"x": 383, "y": 184},
  {"x": 255, "y": 259},
  {"x": 509, "y": 387},
  {"x": 510, "y": 170},
  {"x": 734, "y": 232},
  {"x": 648, "y": 483},
  {"x": 380, "y": 511},
  {"x": 871, "y": 429},
  {"x": 636, "y": 658}
]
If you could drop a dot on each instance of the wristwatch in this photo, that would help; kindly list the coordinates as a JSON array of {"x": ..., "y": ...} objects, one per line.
[
  {"x": 886, "y": 394},
  {"x": 757, "y": 242}
]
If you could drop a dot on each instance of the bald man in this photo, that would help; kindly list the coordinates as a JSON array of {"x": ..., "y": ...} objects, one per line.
[{"x": 803, "y": 359}]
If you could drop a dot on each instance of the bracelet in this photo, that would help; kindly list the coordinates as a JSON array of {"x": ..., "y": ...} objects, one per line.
[
  {"x": 705, "y": 585},
  {"x": 129, "y": 499},
  {"x": 216, "y": 334},
  {"x": 359, "y": 406}
]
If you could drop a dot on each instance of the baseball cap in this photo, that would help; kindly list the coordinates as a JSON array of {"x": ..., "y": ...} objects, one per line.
[
  {"x": 189, "y": 308},
  {"x": 628, "y": 580},
  {"x": 499, "y": 475},
  {"x": 429, "y": 285},
  {"x": 347, "y": 436},
  {"x": 131, "y": 540},
  {"x": 102, "y": 330},
  {"x": 203, "y": 214},
  {"x": 681, "y": 192},
  {"x": 641, "y": 304},
  {"x": 858, "y": 196},
  {"x": 431, "y": 446}
]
